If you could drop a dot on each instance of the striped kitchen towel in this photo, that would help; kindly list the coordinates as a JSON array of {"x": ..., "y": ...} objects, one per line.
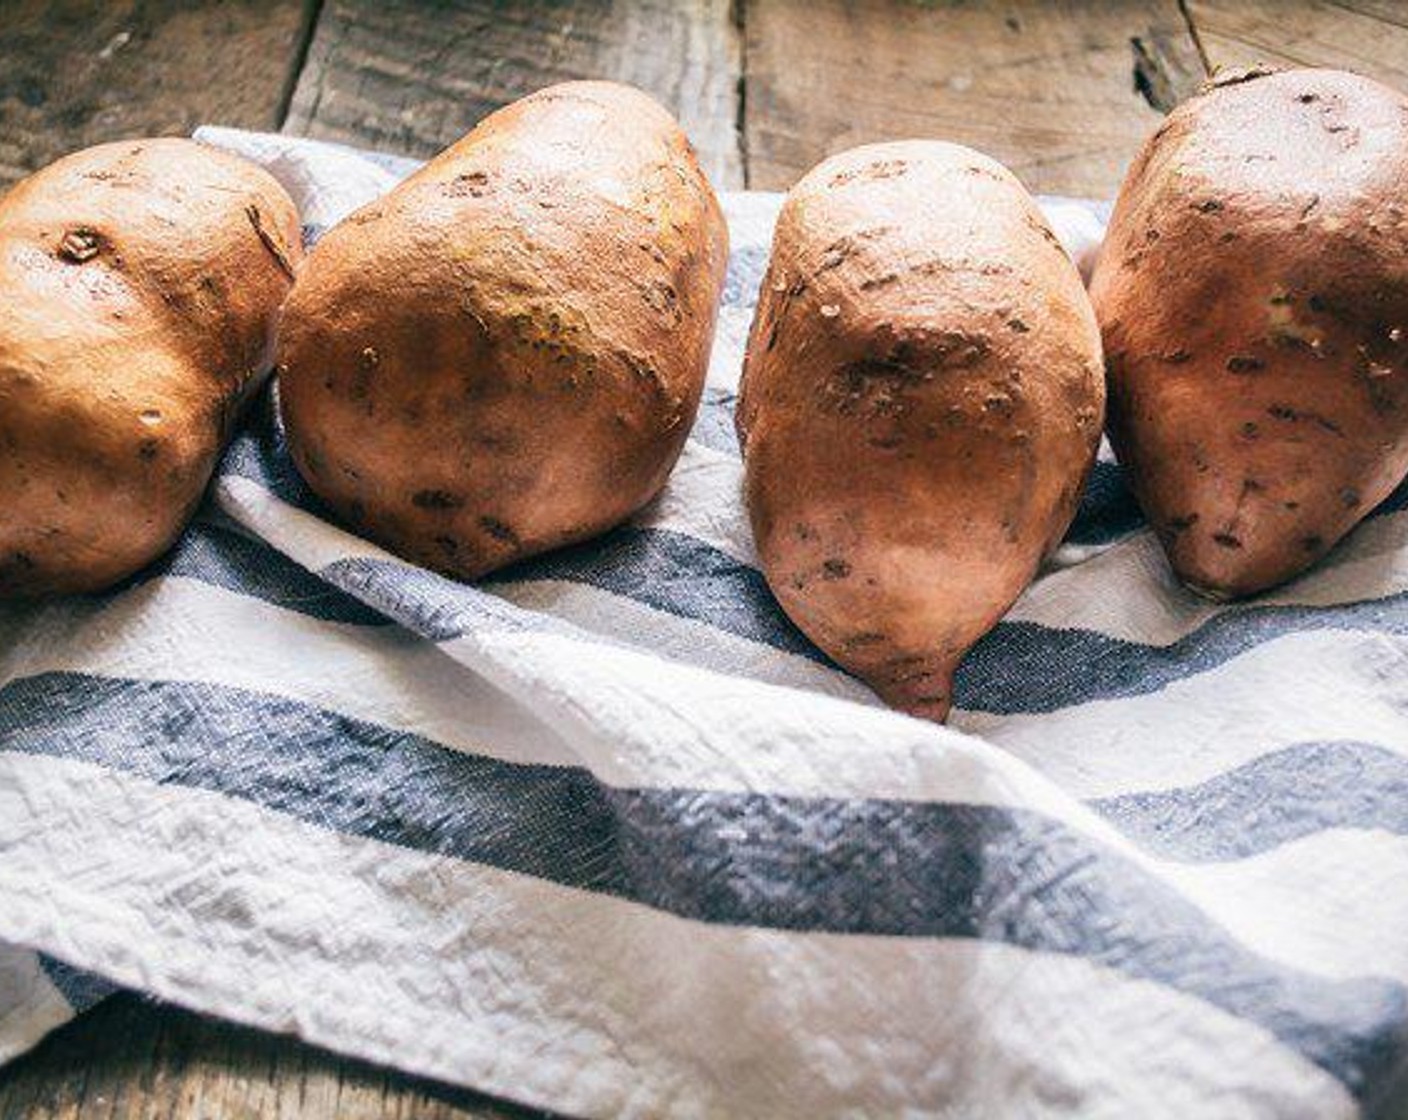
[{"x": 606, "y": 834}]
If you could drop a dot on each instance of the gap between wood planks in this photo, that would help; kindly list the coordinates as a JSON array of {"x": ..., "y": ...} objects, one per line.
[
  {"x": 312, "y": 13},
  {"x": 1160, "y": 75}
]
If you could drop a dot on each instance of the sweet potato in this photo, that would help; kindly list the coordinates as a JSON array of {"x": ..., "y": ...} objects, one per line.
[
  {"x": 139, "y": 284},
  {"x": 505, "y": 353},
  {"x": 921, "y": 403},
  {"x": 1253, "y": 296}
]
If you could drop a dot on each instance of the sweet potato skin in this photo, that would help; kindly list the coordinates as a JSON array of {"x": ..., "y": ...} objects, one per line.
[
  {"x": 139, "y": 286},
  {"x": 505, "y": 354},
  {"x": 1253, "y": 297},
  {"x": 921, "y": 403}
]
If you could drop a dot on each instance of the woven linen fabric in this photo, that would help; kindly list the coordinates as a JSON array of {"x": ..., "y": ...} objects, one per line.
[{"x": 606, "y": 834}]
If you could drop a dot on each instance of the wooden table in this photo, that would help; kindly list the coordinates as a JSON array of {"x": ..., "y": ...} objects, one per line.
[{"x": 1062, "y": 92}]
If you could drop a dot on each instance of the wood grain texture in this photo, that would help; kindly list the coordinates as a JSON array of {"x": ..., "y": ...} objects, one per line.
[
  {"x": 74, "y": 73},
  {"x": 412, "y": 78},
  {"x": 129, "y": 1058},
  {"x": 1046, "y": 87},
  {"x": 1367, "y": 36}
]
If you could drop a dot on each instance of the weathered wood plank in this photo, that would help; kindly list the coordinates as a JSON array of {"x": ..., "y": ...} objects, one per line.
[
  {"x": 1048, "y": 88},
  {"x": 1367, "y": 36},
  {"x": 74, "y": 73},
  {"x": 128, "y": 1059},
  {"x": 412, "y": 78}
]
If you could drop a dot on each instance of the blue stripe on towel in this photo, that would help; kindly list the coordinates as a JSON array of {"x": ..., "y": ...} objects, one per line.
[
  {"x": 230, "y": 560},
  {"x": 1023, "y": 667},
  {"x": 676, "y": 573},
  {"x": 1020, "y": 667},
  {"x": 81, "y": 990},
  {"x": 844, "y": 866},
  {"x": 1283, "y": 796}
]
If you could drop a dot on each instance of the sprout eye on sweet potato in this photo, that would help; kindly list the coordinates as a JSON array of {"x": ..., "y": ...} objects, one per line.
[
  {"x": 1253, "y": 297},
  {"x": 922, "y": 400},
  {"x": 139, "y": 286},
  {"x": 505, "y": 354}
]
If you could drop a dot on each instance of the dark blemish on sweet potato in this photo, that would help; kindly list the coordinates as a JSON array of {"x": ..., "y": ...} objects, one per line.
[
  {"x": 448, "y": 545},
  {"x": 1241, "y": 363},
  {"x": 1018, "y": 325},
  {"x": 147, "y": 449},
  {"x": 983, "y": 173},
  {"x": 661, "y": 297},
  {"x": 835, "y": 568},
  {"x": 80, "y": 245},
  {"x": 1250, "y": 430},
  {"x": 1293, "y": 415},
  {"x": 498, "y": 530},
  {"x": 1175, "y": 357},
  {"x": 1312, "y": 543},
  {"x": 836, "y": 254},
  {"x": 882, "y": 385},
  {"x": 436, "y": 500},
  {"x": 1226, "y": 540},
  {"x": 1208, "y": 206},
  {"x": 879, "y": 169},
  {"x": 873, "y": 282},
  {"x": 472, "y": 184},
  {"x": 361, "y": 386},
  {"x": 1036, "y": 225},
  {"x": 939, "y": 266},
  {"x": 268, "y": 240},
  {"x": 1350, "y": 497},
  {"x": 1291, "y": 504},
  {"x": 1181, "y": 523},
  {"x": 645, "y": 373}
]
